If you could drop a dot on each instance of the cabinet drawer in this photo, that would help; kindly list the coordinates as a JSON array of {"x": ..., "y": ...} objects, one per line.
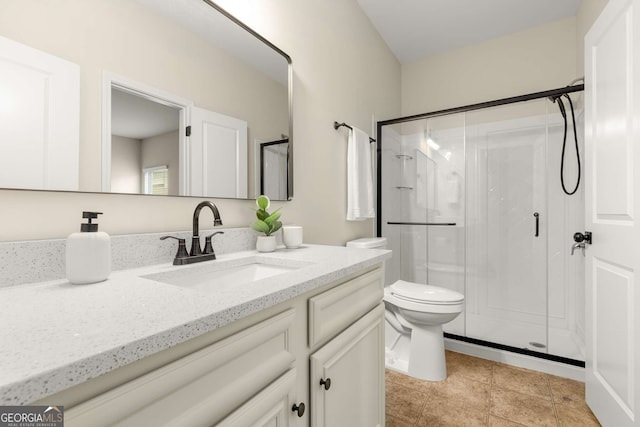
[
  {"x": 270, "y": 407},
  {"x": 201, "y": 388},
  {"x": 334, "y": 310}
]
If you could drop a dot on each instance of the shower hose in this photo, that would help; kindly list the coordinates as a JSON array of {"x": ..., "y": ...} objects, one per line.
[{"x": 564, "y": 142}]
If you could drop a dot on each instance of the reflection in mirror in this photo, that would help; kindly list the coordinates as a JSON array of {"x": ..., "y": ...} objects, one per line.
[
  {"x": 189, "y": 49},
  {"x": 39, "y": 119},
  {"x": 144, "y": 145},
  {"x": 274, "y": 174}
]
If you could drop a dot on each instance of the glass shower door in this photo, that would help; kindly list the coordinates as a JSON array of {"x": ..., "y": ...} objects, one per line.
[
  {"x": 506, "y": 213},
  {"x": 423, "y": 193}
]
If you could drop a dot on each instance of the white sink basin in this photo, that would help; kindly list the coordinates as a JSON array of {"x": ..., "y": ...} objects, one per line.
[{"x": 214, "y": 276}]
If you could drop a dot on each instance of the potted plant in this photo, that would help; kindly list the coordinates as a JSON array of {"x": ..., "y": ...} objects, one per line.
[{"x": 267, "y": 224}]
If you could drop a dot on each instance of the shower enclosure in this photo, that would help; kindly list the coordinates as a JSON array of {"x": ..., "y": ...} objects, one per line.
[{"x": 470, "y": 199}]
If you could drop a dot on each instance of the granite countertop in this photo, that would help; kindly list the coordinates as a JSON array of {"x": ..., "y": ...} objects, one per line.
[{"x": 56, "y": 335}]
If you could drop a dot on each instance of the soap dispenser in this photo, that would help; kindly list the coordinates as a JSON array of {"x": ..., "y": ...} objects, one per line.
[{"x": 88, "y": 253}]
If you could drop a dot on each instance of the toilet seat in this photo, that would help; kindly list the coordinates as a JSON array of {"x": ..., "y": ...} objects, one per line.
[
  {"x": 425, "y": 294},
  {"x": 413, "y": 296}
]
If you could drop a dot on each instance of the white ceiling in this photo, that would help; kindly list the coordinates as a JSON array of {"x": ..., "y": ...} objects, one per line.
[
  {"x": 139, "y": 118},
  {"x": 416, "y": 29}
]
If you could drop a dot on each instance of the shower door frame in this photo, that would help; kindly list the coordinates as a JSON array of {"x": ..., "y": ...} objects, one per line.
[{"x": 464, "y": 109}]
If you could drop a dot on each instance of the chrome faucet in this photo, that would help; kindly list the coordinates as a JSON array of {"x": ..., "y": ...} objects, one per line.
[
  {"x": 196, "y": 254},
  {"x": 195, "y": 239}
]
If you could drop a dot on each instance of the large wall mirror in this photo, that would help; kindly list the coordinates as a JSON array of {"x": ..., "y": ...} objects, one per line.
[{"x": 172, "y": 97}]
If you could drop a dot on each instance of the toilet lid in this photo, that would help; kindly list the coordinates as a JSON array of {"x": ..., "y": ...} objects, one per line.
[{"x": 425, "y": 293}]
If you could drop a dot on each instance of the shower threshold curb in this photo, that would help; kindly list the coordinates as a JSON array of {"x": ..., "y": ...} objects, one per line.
[{"x": 523, "y": 359}]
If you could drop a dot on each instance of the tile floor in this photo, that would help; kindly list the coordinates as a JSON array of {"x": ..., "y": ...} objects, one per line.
[{"x": 479, "y": 392}]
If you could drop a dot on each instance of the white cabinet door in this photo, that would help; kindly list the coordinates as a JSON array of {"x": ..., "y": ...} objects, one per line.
[
  {"x": 612, "y": 136},
  {"x": 217, "y": 155},
  {"x": 39, "y": 119},
  {"x": 353, "y": 362},
  {"x": 271, "y": 407}
]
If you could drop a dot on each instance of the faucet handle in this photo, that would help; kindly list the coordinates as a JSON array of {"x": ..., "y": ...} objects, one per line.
[
  {"x": 182, "y": 248},
  {"x": 208, "y": 248}
]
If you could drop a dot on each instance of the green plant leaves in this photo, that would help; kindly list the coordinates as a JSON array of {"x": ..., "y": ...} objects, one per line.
[
  {"x": 266, "y": 223},
  {"x": 272, "y": 218},
  {"x": 263, "y": 202},
  {"x": 261, "y": 226},
  {"x": 261, "y": 214}
]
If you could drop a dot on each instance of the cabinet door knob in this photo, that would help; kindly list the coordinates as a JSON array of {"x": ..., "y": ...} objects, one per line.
[
  {"x": 299, "y": 409},
  {"x": 326, "y": 383}
]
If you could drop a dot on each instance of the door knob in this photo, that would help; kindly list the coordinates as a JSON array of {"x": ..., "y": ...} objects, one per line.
[
  {"x": 326, "y": 383},
  {"x": 583, "y": 237},
  {"x": 298, "y": 408}
]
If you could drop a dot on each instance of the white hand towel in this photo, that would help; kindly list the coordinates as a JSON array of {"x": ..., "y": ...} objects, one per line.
[{"x": 359, "y": 177}]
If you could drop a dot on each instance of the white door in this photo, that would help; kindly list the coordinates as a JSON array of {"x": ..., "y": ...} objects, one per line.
[
  {"x": 612, "y": 197},
  {"x": 39, "y": 119},
  {"x": 217, "y": 155}
]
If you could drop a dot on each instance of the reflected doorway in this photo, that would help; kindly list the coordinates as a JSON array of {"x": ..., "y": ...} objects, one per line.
[
  {"x": 145, "y": 155},
  {"x": 144, "y": 139},
  {"x": 274, "y": 173}
]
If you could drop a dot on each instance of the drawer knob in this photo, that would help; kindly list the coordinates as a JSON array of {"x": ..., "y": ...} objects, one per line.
[
  {"x": 326, "y": 383},
  {"x": 299, "y": 409}
]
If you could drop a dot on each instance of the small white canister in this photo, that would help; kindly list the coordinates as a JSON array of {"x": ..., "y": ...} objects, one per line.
[{"x": 292, "y": 236}]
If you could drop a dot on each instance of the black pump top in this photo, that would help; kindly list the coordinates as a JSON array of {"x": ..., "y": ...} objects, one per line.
[{"x": 89, "y": 227}]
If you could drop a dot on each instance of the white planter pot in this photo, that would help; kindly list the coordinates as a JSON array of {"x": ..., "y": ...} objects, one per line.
[{"x": 266, "y": 243}]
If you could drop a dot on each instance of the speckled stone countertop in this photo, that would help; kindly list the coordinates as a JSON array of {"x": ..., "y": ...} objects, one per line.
[{"x": 55, "y": 335}]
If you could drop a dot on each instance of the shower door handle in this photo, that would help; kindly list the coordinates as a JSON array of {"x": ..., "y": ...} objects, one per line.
[{"x": 536, "y": 215}]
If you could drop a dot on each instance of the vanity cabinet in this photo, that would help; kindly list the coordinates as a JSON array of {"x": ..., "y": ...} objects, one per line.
[
  {"x": 201, "y": 388},
  {"x": 347, "y": 372},
  {"x": 270, "y": 407},
  {"x": 257, "y": 371},
  {"x": 347, "y": 376}
]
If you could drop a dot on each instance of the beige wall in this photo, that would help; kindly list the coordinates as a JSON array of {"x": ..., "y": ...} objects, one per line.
[
  {"x": 163, "y": 150},
  {"x": 126, "y": 157},
  {"x": 342, "y": 71},
  {"x": 536, "y": 59}
]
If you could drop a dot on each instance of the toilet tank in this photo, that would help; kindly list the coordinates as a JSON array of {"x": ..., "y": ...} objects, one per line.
[{"x": 368, "y": 243}]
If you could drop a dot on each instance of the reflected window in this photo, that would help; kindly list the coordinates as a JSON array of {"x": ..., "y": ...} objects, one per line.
[{"x": 156, "y": 180}]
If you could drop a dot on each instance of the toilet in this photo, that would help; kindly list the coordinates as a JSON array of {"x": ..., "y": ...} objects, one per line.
[{"x": 419, "y": 310}]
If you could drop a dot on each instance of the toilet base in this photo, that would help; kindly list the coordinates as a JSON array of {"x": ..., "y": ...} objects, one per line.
[{"x": 426, "y": 353}]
